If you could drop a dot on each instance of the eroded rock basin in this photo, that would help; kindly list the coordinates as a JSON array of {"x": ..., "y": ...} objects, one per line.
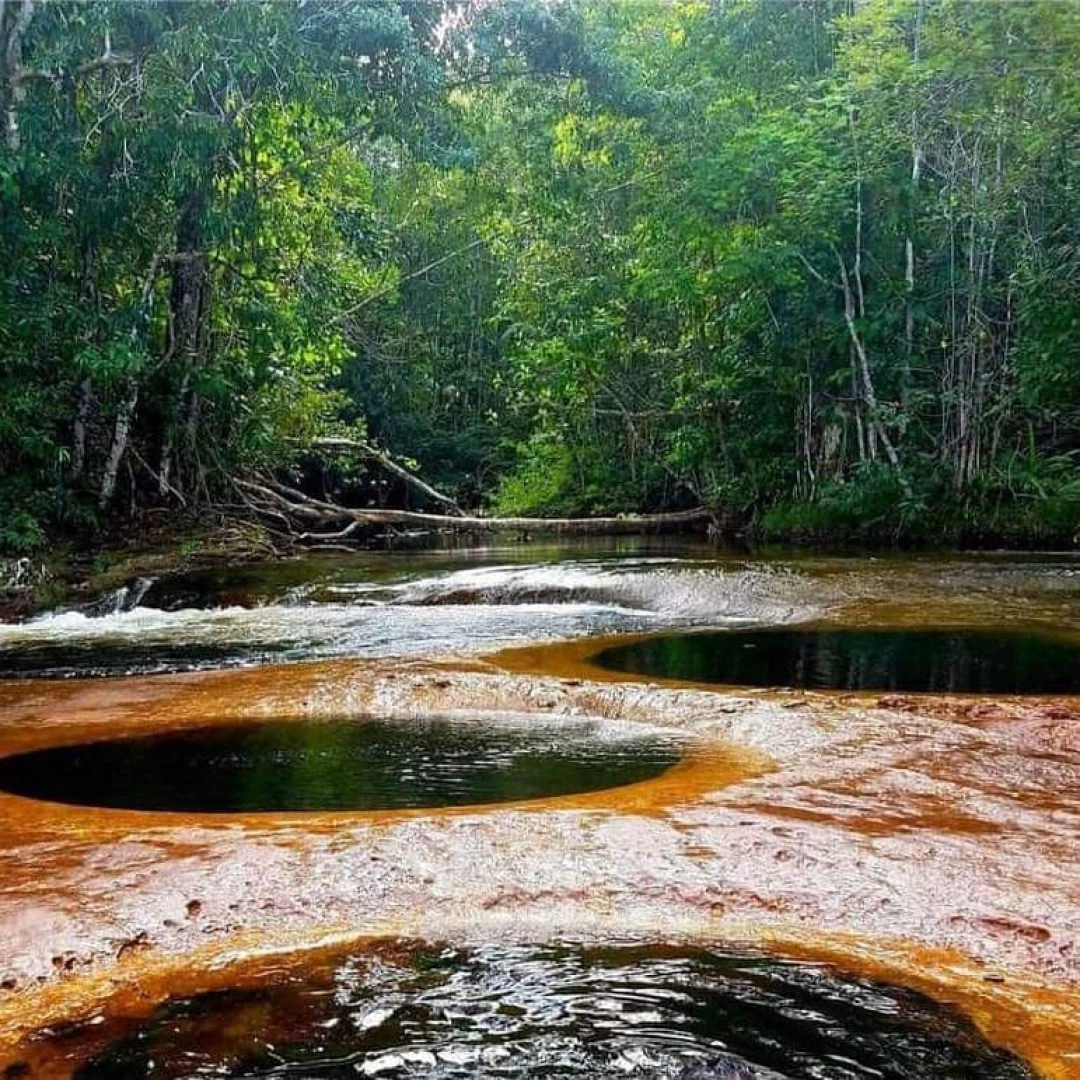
[
  {"x": 662, "y": 1013},
  {"x": 929, "y": 844},
  {"x": 932, "y": 843},
  {"x": 964, "y": 661},
  {"x": 358, "y": 763}
]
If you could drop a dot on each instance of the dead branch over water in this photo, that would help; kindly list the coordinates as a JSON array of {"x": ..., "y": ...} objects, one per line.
[{"x": 312, "y": 520}]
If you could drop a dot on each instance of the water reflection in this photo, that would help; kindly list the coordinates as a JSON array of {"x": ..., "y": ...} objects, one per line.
[
  {"x": 560, "y": 1012},
  {"x": 961, "y": 661},
  {"x": 344, "y": 765}
]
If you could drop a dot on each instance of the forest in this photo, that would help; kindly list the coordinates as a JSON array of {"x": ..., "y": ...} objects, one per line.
[{"x": 807, "y": 268}]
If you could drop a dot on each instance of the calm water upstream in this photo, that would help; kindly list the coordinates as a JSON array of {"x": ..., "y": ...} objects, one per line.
[{"x": 978, "y": 661}]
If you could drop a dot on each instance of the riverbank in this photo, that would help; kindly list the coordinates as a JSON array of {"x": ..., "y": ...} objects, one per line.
[{"x": 73, "y": 576}]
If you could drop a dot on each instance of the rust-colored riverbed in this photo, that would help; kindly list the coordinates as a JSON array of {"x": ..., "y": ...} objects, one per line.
[{"x": 929, "y": 841}]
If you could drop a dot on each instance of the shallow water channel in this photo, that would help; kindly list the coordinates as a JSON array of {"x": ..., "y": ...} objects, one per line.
[
  {"x": 468, "y": 601},
  {"x": 745, "y": 765}
]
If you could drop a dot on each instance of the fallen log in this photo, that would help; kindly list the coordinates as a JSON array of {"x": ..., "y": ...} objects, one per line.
[{"x": 277, "y": 499}]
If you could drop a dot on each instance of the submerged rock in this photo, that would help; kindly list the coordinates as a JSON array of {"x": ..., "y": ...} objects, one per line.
[{"x": 728, "y": 1067}]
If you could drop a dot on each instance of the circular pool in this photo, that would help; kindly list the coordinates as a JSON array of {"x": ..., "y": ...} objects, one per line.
[
  {"x": 558, "y": 1011},
  {"x": 349, "y": 764},
  {"x": 909, "y": 661}
]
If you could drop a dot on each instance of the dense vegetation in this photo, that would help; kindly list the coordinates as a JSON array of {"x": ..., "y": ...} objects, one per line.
[{"x": 814, "y": 264}]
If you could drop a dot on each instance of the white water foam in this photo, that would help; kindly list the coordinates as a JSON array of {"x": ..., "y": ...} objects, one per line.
[{"x": 460, "y": 612}]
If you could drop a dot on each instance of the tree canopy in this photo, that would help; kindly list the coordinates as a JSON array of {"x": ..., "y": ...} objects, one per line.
[{"x": 811, "y": 264}]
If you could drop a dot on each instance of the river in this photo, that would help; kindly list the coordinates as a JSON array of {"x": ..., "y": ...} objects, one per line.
[{"x": 823, "y": 810}]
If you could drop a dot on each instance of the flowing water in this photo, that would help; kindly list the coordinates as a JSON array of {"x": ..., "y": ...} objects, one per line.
[
  {"x": 556, "y": 1011},
  {"x": 475, "y": 600},
  {"x": 412, "y": 604}
]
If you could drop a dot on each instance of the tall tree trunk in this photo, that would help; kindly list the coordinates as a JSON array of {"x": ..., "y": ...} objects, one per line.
[
  {"x": 88, "y": 296},
  {"x": 15, "y": 16},
  {"x": 909, "y": 240},
  {"x": 806, "y": 421},
  {"x": 860, "y": 306},
  {"x": 126, "y": 413},
  {"x": 868, "y": 432},
  {"x": 168, "y": 444},
  {"x": 950, "y": 424},
  {"x": 82, "y": 419},
  {"x": 188, "y": 302},
  {"x": 121, "y": 434}
]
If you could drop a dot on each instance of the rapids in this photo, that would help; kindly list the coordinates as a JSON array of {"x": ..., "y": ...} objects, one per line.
[{"x": 472, "y": 601}]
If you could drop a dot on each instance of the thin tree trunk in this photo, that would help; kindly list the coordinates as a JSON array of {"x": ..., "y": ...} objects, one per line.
[
  {"x": 909, "y": 240},
  {"x": 126, "y": 412},
  {"x": 950, "y": 427},
  {"x": 82, "y": 419},
  {"x": 856, "y": 393},
  {"x": 807, "y": 428},
  {"x": 873, "y": 427},
  {"x": 88, "y": 296},
  {"x": 13, "y": 27},
  {"x": 860, "y": 293},
  {"x": 121, "y": 434},
  {"x": 971, "y": 421},
  {"x": 865, "y": 378},
  {"x": 188, "y": 302},
  {"x": 168, "y": 445},
  {"x": 860, "y": 297}
]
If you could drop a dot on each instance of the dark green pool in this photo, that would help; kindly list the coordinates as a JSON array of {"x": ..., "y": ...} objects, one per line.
[
  {"x": 339, "y": 765},
  {"x": 959, "y": 661},
  {"x": 558, "y": 1012}
]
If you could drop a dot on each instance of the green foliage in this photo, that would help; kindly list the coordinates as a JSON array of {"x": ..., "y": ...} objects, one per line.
[
  {"x": 812, "y": 263},
  {"x": 869, "y": 507},
  {"x": 539, "y": 485},
  {"x": 675, "y": 294},
  {"x": 185, "y": 204},
  {"x": 22, "y": 531}
]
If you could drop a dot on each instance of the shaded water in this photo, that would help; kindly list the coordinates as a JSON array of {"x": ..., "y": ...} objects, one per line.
[
  {"x": 659, "y": 1012},
  {"x": 344, "y": 765},
  {"x": 957, "y": 661}
]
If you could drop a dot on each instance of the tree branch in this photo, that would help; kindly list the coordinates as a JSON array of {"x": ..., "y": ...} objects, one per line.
[
  {"x": 317, "y": 512},
  {"x": 391, "y": 466}
]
